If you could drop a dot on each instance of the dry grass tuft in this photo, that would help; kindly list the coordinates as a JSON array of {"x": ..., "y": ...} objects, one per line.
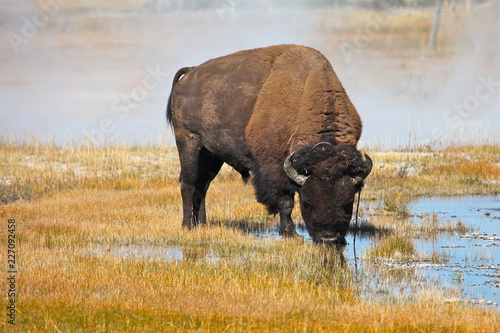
[{"x": 394, "y": 246}]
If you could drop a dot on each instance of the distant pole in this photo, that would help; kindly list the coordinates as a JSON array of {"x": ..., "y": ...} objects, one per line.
[{"x": 435, "y": 24}]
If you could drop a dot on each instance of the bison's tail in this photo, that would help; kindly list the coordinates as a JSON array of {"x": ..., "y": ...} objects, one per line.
[{"x": 178, "y": 75}]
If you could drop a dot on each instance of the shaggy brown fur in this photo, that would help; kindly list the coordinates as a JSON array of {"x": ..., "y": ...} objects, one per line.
[{"x": 304, "y": 100}]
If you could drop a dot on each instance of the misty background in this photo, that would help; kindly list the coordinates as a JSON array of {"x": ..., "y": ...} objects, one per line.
[{"x": 101, "y": 71}]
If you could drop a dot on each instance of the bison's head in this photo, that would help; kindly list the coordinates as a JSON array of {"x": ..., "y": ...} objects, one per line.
[{"x": 329, "y": 177}]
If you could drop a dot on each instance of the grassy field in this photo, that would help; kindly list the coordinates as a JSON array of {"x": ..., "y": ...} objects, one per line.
[
  {"x": 99, "y": 243},
  {"x": 100, "y": 247}
]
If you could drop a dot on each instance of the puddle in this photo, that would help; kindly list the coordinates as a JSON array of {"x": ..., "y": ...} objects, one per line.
[
  {"x": 156, "y": 253},
  {"x": 471, "y": 266},
  {"x": 468, "y": 272},
  {"x": 473, "y": 257}
]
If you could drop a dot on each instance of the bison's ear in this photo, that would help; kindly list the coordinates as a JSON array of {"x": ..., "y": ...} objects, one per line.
[{"x": 364, "y": 169}]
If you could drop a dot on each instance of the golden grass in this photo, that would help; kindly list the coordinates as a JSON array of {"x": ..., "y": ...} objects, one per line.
[
  {"x": 366, "y": 21},
  {"x": 73, "y": 279},
  {"x": 33, "y": 170},
  {"x": 393, "y": 247},
  {"x": 94, "y": 251},
  {"x": 399, "y": 176},
  {"x": 404, "y": 29}
]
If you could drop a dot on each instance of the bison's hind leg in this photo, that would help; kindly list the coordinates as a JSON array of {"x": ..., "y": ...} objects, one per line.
[
  {"x": 198, "y": 168},
  {"x": 210, "y": 166}
]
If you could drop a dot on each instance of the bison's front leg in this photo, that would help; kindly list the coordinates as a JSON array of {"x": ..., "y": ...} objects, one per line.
[{"x": 287, "y": 227}]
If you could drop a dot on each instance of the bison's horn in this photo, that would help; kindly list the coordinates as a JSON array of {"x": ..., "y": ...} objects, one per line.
[
  {"x": 368, "y": 164},
  {"x": 366, "y": 169},
  {"x": 292, "y": 173}
]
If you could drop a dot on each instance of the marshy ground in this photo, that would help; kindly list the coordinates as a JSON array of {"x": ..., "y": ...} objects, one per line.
[
  {"x": 99, "y": 243},
  {"x": 100, "y": 247}
]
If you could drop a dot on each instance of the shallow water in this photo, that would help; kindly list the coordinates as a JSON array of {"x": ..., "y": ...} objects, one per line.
[
  {"x": 469, "y": 269},
  {"x": 473, "y": 257}
]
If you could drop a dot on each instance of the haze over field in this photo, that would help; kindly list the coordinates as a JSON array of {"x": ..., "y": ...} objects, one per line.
[{"x": 104, "y": 72}]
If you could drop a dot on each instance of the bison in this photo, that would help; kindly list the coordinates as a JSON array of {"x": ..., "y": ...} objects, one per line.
[{"x": 280, "y": 114}]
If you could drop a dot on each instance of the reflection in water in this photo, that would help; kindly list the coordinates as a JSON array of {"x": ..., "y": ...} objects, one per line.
[{"x": 468, "y": 263}]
